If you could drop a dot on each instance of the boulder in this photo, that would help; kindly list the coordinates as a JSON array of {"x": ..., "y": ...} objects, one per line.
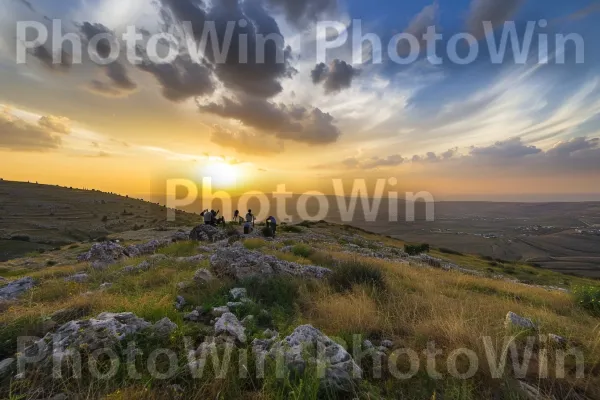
[
  {"x": 203, "y": 276},
  {"x": 387, "y": 344},
  {"x": 104, "y": 331},
  {"x": 240, "y": 263},
  {"x": 219, "y": 311},
  {"x": 151, "y": 247},
  {"x": 180, "y": 236},
  {"x": 207, "y": 233},
  {"x": 104, "y": 253},
  {"x": 238, "y": 293},
  {"x": 516, "y": 321},
  {"x": 180, "y": 303},
  {"x": 78, "y": 278},
  {"x": 307, "y": 345},
  {"x": 105, "y": 286},
  {"x": 164, "y": 327},
  {"x": 14, "y": 289},
  {"x": 6, "y": 366},
  {"x": 229, "y": 326}
]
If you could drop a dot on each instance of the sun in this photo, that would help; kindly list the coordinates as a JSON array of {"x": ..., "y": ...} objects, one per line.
[{"x": 223, "y": 174}]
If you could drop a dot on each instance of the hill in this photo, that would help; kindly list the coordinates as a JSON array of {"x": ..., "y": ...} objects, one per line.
[
  {"x": 321, "y": 311},
  {"x": 37, "y": 217}
]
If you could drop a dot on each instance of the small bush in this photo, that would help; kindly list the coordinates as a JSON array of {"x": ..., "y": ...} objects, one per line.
[
  {"x": 267, "y": 232},
  {"x": 232, "y": 230},
  {"x": 302, "y": 250},
  {"x": 416, "y": 249},
  {"x": 290, "y": 229},
  {"x": 21, "y": 238},
  {"x": 354, "y": 272},
  {"x": 588, "y": 297},
  {"x": 253, "y": 244},
  {"x": 104, "y": 219},
  {"x": 450, "y": 251}
]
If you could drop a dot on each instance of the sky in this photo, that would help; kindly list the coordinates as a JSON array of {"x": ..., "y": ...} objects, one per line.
[{"x": 522, "y": 128}]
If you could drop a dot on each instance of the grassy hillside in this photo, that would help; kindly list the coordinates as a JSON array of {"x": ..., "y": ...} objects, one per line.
[
  {"x": 41, "y": 217},
  {"x": 390, "y": 298}
]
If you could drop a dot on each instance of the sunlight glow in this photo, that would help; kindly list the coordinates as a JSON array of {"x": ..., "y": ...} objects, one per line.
[{"x": 222, "y": 173}]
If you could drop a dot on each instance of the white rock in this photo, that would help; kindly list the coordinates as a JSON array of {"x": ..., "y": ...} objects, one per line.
[
  {"x": 15, "y": 288},
  {"x": 514, "y": 320},
  {"x": 203, "y": 276},
  {"x": 238, "y": 293},
  {"x": 219, "y": 311},
  {"x": 164, "y": 327},
  {"x": 229, "y": 325}
]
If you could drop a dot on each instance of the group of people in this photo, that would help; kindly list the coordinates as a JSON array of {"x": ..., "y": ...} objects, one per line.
[{"x": 212, "y": 218}]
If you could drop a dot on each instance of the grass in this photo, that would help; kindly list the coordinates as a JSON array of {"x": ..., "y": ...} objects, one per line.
[{"x": 373, "y": 298}]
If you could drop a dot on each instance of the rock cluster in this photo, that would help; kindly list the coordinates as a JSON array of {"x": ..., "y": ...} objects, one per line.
[
  {"x": 239, "y": 263},
  {"x": 207, "y": 233},
  {"x": 15, "y": 288},
  {"x": 104, "y": 252}
]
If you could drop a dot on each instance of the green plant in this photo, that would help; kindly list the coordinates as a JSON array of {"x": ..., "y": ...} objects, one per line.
[
  {"x": 588, "y": 297},
  {"x": 302, "y": 250},
  {"x": 416, "y": 249},
  {"x": 355, "y": 272},
  {"x": 267, "y": 232}
]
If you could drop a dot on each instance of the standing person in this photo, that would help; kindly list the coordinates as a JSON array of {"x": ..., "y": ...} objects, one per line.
[
  {"x": 272, "y": 223},
  {"x": 250, "y": 217},
  {"x": 236, "y": 216},
  {"x": 208, "y": 216}
]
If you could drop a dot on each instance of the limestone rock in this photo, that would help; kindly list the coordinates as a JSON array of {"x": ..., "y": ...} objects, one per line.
[
  {"x": 104, "y": 252},
  {"x": 164, "y": 327},
  {"x": 203, "y": 276},
  {"x": 16, "y": 288},
  {"x": 514, "y": 320},
  {"x": 229, "y": 325},
  {"x": 78, "y": 278},
  {"x": 207, "y": 233}
]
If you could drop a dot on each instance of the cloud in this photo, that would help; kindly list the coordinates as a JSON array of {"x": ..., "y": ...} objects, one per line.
[
  {"x": 245, "y": 143},
  {"x": 418, "y": 27},
  {"x": 508, "y": 149},
  {"x": 495, "y": 11},
  {"x": 182, "y": 79},
  {"x": 19, "y": 135},
  {"x": 304, "y": 12},
  {"x": 119, "y": 83},
  {"x": 251, "y": 74},
  {"x": 56, "y": 124},
  {"x": 47, "y": 59},
  {"x": 336, "y": 77},
  {"x": 297, "y": 123},
  {"x": 365, "y": 164}
]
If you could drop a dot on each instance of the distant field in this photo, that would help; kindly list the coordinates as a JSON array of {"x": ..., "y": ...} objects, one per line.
[{"x": 41, "y": 217}]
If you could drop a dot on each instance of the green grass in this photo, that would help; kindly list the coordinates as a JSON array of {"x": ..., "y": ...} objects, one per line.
[
  {"x": 588, "y": 297},
  {"x": 302, "y": 250},
  {"x": 355, "y": 272},
  {"x": 254, "y": 243}
]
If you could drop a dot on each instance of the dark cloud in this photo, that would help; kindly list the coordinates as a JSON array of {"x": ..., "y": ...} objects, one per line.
[
  {"x": 569, "y": 147},
  {"x": 182, "y": 79},
  {"x": 304, "y": 12},
  {"x": 495, "y": 11},
  {"x": 245, "y": 143},
  {"x": 249, "y": 74},
  {"x": 296, "y": 123},
  {"x": 19, "y": 135},
  {"x": 47, "y": 59},
  {"x": 119, "y": 83},
  {"x": 508, "y": 149},
  {"x": 336, "y": 77}
]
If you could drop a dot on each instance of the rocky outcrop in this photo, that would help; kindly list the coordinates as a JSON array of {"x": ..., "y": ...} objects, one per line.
[
  {"x": 308, "y": 345},
  {"x": 164, "y": 327},
  {"x": 239, "y": 263},
  {"x": 143, "y": 249},
  {"x": 229, "y": 326},
  {"x": 207, "y": 233},
  {"x": 203, "y": 276},
  {"x": 16, "y": 288},
  {"x": 103, "y": 253},
  {"x": 192, "y": 260},
  {"x": 515, "y": 321},
  {"x": 180, "y": 236}
]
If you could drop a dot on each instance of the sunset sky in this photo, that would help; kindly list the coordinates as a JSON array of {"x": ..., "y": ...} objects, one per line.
[{"x": 480, "y": 131}]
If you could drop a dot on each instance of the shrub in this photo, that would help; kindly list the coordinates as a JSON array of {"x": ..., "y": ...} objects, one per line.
[
  {"x": 253, "y": 244},
  {"x": 588, "y": 297},
  {"x": 104, "y": 219},
  {"x": 416, "y": 249},
  {"x": 450, "y": 251},
  {"x": 231, "y": 230},
  {"x": 20, "y": 238},
  {"x": 354, "y": 272},
  {"x": 267, "y": 232},
  {"x": 290, "y": 229},
  {"x": 302, "y": 250}
]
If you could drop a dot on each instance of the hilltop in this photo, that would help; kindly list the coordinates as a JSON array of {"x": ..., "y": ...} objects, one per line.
[
  {"x": 259, "y": 298},
  {"x": 36, "y": 217}
]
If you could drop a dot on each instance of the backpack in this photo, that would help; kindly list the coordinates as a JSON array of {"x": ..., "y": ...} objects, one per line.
[{"x": 208, "y": 216}]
